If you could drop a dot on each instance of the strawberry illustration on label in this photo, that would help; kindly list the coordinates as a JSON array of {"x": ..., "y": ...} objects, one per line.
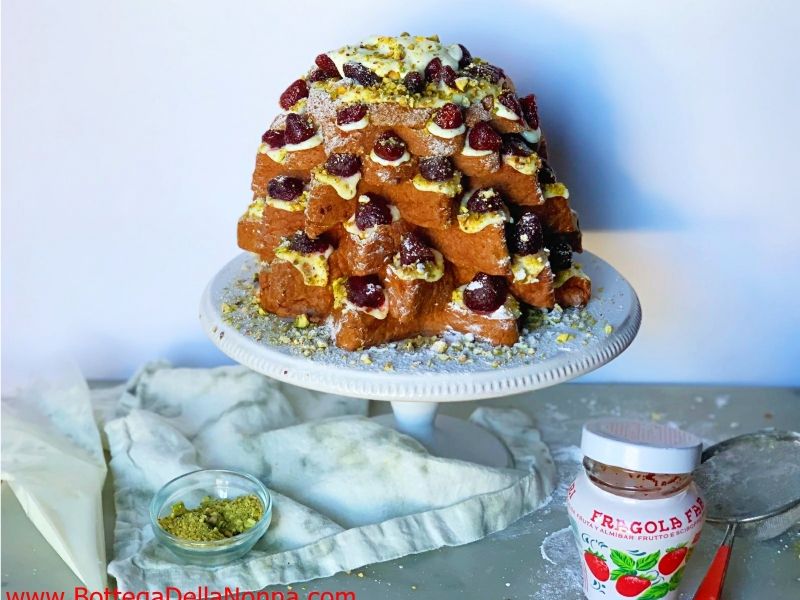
[
  {"x": 597, "y": 565},
  {"x": 631, "y": 585},
  {"x": 672, "y": 559}
]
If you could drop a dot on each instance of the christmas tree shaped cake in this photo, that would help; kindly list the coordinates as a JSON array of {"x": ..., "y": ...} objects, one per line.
[{"x": 405, "y": 190}]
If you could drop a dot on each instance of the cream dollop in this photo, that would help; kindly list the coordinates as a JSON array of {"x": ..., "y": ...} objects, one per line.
[
  {"x": 344, "y": 186},
  {"x": 428, "y": 271},
  {"x": 389, "y": 163},
  {"x": 447, "y": 134},
  {"x": 451, "y": 187}
]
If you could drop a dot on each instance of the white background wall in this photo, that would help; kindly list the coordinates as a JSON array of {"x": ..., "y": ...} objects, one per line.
[{"x": 129, "y": 131}]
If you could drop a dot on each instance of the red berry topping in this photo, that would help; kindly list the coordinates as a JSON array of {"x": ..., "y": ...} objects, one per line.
[
  {"x": 373, "y": 213},
  {"x": 546, "y": 173},
  {"x": 466, "y": 57},
  {"x": 361, "y": 74},
  {"x": 541, "y": 148},
  {"x": 485, "y": 71},
  {"x": 432, "y": 69},
  {"x": 351, "y": 114},
  {"x": 317, "y": 75},
  {"x": 530, "y": 111},
  {"x": 389, "y": 146},
  {"x": 527, "y": 236},
  {"x": 515, "y": 144},
  {"x": 300, "y": 242},
  {"x": 631, "y": 585},
  {"x": 327, "y": 67},
  {"x": 485, "y": 293},
  {"x": 597, "y": 565},
  {"x": 366, "y": 292},
  {"x": 509, "y": 100},
  {"x": 413, "y": 250},
  {"x": 485, "y": 200},
  {"x": 299, "y": 128},
  {"x": 449, "y": 117},
  {"x": 483, "y": 137},
  {"x": 560, "y": 253},
  {"x": 274, "y": 138},
  {"x": 284, "y": 188},
  {"x": 296, "y": 90},
  {"x": 343, "y": 165},
  {"x": 436, "y": 71},
  {"x": 448, "y": 75},
  {"x": 414, "y": 82},
  {"x": 436, "y": 168}
]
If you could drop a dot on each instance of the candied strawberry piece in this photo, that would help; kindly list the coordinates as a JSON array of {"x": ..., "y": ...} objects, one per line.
[
  {"x": 432, "y": 69},
  {"x": 274, "y": 138},
  {"x": 389, "y": 146},
  {"x": 448, "y": 75},
  {"x": 541, "y": 148},
  {"x": 296, "y": 91},
  {"x": 373, "y": 213},
  {"x": 485, "y": 71},
  {"x": 317, "y": 75},
  {"x": 283, "y": 187},
  {"x": 300, "y": 242},
  {"x": 530, "y": 111},
  {"x": 527, "y": 237},
  {"x": 327, "y": 67},
  {"x": 343, "y": 164},
  {"x": 351, "y": 114},
  {"x": 413, "y": 250},
  {"x": 414, "y": 82},
  {"x": 361, "y": 74},
  {"x": 486, "y": 293},
  {"x": 485, "y": 200},
  {"x": 483, "y": 137},
  {"x": 436, "y": 71},
  {"x": 449, "y": 116},
  {"x": 560, "y": 253},
  {"x": 299, "y": 128},
  {"x": 546, "y": 174},
  {"x": 436, "y": 168},
  {"x": 516, "y": 145},
  {"x": 366, "y": 291},
  {"x": 509, "y": 100},
  {"x": 466, "y": 57}
]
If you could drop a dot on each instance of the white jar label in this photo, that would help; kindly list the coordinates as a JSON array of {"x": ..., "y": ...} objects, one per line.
[{"x": 632, "y": 548}]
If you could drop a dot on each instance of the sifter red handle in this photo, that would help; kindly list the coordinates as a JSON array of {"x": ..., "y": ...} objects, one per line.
[{"x": 711, "y": 586}]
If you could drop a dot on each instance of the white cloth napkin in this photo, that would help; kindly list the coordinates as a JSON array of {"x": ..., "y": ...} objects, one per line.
[
  {"x": 347, "y": 491},
  {"x": 53, "y": 461}
]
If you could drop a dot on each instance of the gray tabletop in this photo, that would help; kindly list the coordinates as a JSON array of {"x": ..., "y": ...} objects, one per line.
[{"x": 534, "y": 558}]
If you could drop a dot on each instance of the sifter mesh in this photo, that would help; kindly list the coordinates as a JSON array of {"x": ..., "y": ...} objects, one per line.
[{"x": 754, "y": 480}]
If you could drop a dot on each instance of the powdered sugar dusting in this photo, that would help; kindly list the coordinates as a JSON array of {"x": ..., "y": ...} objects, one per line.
[{"x": 543, "y": 335}]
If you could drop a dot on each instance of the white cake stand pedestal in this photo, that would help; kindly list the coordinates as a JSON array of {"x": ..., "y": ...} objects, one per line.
[{"x": 563, "y": 350}]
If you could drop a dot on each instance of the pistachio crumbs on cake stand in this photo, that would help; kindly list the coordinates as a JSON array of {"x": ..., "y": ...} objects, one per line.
[{"x": 406, "y": 229}]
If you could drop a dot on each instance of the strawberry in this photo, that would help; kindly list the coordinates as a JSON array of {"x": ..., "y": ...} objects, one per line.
[
  {"x": 597, "y": 565},
  {"x": 672, "y": 559},
  {"x": 631, "y": 585}
]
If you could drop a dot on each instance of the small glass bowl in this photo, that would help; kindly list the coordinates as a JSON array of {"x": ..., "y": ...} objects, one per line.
[{"x": 190, "y": 489}]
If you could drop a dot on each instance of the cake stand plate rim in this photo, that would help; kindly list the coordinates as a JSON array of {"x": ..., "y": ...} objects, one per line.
[{"x": 424, "y": 385}]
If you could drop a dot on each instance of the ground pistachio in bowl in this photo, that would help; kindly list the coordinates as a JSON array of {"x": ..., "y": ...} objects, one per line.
[
  {"x": 214, "y": 519},
  {"x": 211, "y": 516}
]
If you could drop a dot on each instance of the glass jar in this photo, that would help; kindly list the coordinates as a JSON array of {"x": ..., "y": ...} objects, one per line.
[{"x": 634, "y": 510}]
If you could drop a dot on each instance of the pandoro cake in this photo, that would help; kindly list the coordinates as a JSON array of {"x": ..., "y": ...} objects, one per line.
[{"x": 404, "y": 189}]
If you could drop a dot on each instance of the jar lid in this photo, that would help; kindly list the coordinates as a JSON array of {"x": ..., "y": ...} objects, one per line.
[{"x": 641, "y": 446}]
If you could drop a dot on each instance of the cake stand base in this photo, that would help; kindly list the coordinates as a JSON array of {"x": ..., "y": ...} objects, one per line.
[
  {"x": 565, "y": 348},
  {"x": 445, "y": 436}
]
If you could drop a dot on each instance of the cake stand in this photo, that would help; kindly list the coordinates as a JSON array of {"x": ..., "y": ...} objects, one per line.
[{"x": 560, "y": 347}]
